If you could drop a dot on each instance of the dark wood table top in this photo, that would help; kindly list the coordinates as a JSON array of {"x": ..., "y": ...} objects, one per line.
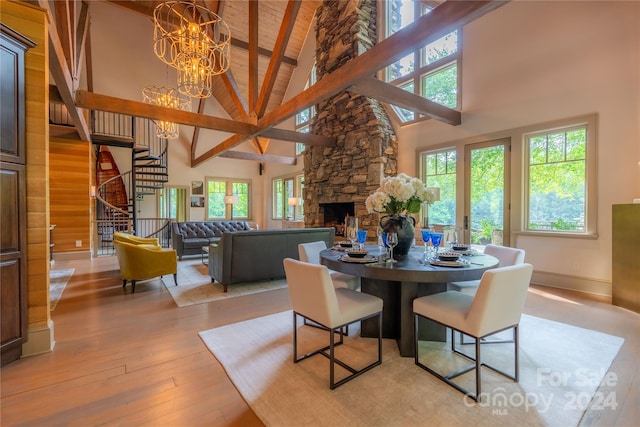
[{"x": 410, "y": 269}]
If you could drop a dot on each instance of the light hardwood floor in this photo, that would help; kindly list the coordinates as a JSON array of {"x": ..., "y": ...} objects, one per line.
[{"x": 123, "y": 359}]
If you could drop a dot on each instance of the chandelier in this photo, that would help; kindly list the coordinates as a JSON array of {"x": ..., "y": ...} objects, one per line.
[
  {"x": 165, "y": 97},
  {"x": 193, "y": 40}
]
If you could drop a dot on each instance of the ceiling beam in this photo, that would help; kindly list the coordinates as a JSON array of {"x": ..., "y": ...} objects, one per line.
[
  {"x": 253, "y": 57},
  {"x": 385, "y": 92},
  {"x": 263, "y": 52},
  {"x": 96, "y": 101},
  {"x": 196, "y": 130},
  {"x": 286, "y": 28},
  {"x": 267, "y": 158},
  {"x": 439, "y": 22},
  {"x": 59, "y": 69}
]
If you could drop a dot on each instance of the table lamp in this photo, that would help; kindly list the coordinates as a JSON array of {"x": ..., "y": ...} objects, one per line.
[
  {"x": 231, "y": 200},
  {"x": 293, "y": 201}
]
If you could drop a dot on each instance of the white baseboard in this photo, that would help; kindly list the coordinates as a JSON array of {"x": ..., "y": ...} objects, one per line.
[
  {"x": 40, "y": 341},
  {"x": 573, "y": 283}
]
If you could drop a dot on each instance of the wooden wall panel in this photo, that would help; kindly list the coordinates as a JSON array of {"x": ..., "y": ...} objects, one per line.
[
  {"x": 70, "y": 203},
  {"x": 31, "y": 21}
]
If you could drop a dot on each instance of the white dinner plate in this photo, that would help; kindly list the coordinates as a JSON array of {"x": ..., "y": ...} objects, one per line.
[
  {"x": 440, "y": 263},
  {"x": 363, "y": 260}
]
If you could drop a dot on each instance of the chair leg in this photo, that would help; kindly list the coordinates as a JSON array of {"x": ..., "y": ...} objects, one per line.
[
  {"x": 133, "y": 286},
  {"x": 124, "y": 283},
  {"x": 175, "y": 278},
  {"x": 331, "y": 348}
]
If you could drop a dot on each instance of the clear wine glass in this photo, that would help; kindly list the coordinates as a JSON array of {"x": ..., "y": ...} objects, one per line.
[
  {"x": 351, "y": 230},
  {"x": 380, "y": 234},
  {"x": 392, "y": 241}
]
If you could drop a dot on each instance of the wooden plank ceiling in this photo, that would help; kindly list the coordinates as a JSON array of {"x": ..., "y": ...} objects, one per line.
[{"x": 267, "y": 37}]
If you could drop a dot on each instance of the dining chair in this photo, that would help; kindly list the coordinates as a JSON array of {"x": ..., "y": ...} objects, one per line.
[
  {"x": 497, "y": 306},
  {"x": 506, "y": 256},
  {"x": 314, "y": 297},
  {"x": 310, "y": 252}
]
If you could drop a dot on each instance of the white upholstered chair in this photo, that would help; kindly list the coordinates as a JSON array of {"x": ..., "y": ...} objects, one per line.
[
  {"x": 506, "y": 256},
  {"x": 314, "y": 297},
  {"x": 310, "y": 252},
  {"x": 496, "y": 306}
]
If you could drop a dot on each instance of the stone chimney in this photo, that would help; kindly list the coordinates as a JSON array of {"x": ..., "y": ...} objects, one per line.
[{"x": 367, "y": 146}]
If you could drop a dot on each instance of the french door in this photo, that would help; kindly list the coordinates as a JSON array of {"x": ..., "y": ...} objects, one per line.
[{"x": 486, "y": 192}]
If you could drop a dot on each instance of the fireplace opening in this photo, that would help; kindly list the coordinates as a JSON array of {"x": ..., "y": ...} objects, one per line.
[{"x": 334, "y": 215}]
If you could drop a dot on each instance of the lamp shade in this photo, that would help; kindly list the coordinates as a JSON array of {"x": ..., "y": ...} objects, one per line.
[
  {"x": 230, "y": 200},
  {"x": 293, "y": 201}
]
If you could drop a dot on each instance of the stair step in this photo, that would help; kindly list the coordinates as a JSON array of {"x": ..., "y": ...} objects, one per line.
[
  {"x": 148, "y": 157},
  {"x": 156, "y": 187},
  {"x": 152, "y": 173},
  {"x": 147, "y": 181}
]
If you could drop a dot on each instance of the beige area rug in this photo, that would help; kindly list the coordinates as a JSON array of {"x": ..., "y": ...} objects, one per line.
[
  {"x": 195, "y": 285},
  {"x": 58, "y": 279},
  {"x": 561, "y": 368}
]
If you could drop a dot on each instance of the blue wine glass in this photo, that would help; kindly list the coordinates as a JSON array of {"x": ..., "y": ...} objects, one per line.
[
  {"x": 362, "y": 237},
  {"x": 426, "y": 236},
  {"x": 436, "y": 238}
]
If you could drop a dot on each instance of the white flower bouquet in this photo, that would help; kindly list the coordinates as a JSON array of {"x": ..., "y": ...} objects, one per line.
[{"x": 399, "y": 195}]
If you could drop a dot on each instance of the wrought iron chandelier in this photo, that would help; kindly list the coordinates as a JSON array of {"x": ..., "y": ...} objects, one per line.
[
  {"x": 193, "y": 40},
  {"x": 170, "y": 98}
]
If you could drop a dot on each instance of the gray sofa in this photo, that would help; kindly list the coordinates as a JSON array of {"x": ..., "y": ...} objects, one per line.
[
  {"x": 188, "y": 238},
  {"x": 248, "y": 256}
]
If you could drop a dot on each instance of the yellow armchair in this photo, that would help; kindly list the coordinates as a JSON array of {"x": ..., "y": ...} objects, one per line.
[
  {"x": 130, "y": 238},
  {"x": 144, "y": 261}
]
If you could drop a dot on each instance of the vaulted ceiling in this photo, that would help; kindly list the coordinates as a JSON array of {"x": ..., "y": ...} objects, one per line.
[{"x": 267, "y": 37}]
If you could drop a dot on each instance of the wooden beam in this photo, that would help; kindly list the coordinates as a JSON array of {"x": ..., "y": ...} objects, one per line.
[
  {"x": 267, "y": 158},
  {"x": 196, "y": 130},
  {"x": 439, "y": 22},
  {"x": 286, "y": 28},
  {"x": 234, "y": 92},
  {"x": 385, "y": 92},
  {"x": 82, "y": 33},
  {"x": 61, "y": 75},
  {"x": 96, "y": 101},
  {"x": 293, "y": 136},
  {"x": 253, "y": 57}
]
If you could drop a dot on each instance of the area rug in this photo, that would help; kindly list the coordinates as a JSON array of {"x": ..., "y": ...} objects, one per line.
[
  {"x": 561, "y": 367},
  {"x": 195, "y": 285},
  {"x": 58, "y": 279}
]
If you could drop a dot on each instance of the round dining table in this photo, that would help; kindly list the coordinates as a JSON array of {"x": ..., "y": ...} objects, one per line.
[{"x": 399, "y": 283}]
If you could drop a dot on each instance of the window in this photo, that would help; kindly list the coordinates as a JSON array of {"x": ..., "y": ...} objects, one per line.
[
  {"x": 303, "y": 118},
  {"x": 282, "y": 190},
  {"x": 438, "y": 169},
  {"x": 217, "y": 189},
  {"x": 437, "y": 77},
  {"x": 559, "y": 173}
]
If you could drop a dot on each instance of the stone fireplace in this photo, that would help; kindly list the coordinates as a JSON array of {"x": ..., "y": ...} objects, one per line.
[{"x": 366, "y": 147}]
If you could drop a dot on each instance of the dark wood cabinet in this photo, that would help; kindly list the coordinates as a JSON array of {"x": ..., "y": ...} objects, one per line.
[
  {"x": 13, "y": 212},
  {"x": 626, "y": 256}
]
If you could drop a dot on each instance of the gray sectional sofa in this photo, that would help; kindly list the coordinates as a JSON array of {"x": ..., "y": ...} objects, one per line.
[
  {"x": 188, "y": 238},
  {"x": 247, "y": 256}
]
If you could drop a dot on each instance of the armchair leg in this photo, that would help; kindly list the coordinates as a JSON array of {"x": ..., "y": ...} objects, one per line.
[
  {"x": 124, "y": 283},
  {"x": 175, "y": 278},
  {"x": 133, "y": 286}
]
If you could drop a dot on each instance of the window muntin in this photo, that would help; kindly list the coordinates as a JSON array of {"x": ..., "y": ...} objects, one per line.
[
  {"x": 557, "y": 180},
  {"x": 217, "y": 188},
  {"x": 437, "y": 77},
  {"x": 438, "y": 169},
  {"x": 303, "y": 118}
]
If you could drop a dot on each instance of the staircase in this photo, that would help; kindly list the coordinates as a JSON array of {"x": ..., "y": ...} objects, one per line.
[{"x": 118, "y": 194}]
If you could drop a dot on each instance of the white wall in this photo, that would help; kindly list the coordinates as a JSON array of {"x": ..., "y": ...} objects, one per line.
[{"x": 533, "y": 62}]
